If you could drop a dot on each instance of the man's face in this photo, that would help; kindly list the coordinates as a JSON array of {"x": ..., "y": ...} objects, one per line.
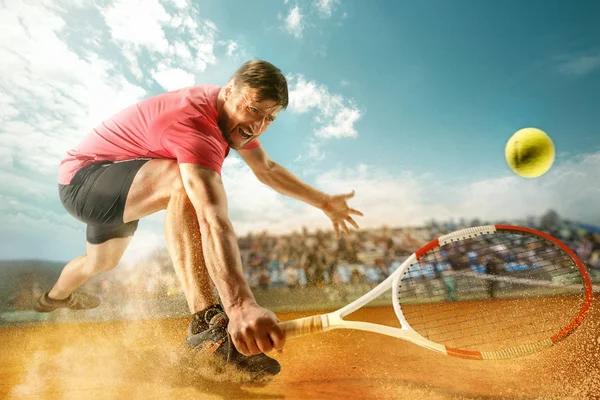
[{"x": 243, "y": 118}]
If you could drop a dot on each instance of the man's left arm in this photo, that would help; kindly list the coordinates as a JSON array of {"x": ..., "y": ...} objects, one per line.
[{"x": 280, "y": 179}]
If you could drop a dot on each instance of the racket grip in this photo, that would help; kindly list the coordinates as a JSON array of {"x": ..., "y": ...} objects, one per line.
[{"x": 302, "y": 326}]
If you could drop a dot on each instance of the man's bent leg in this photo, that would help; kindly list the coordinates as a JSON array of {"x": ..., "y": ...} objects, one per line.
[
  {"x": 96, "y": 196},
  {"x": 99, "y": 258},
  {"x": 182, "y": 235},
  {"x": 158, "y": 186}
]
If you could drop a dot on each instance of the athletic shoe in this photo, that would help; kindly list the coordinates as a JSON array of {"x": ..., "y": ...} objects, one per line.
[
  {"x": 75, "y": 301},
  {"x": 216, "y": 340}
]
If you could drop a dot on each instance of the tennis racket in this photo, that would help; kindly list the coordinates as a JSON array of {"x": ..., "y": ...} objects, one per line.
[{"x": 483, "y": 293}]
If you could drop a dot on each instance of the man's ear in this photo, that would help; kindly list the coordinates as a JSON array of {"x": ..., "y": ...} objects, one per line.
[
  {"x": 229, "y": 89},
  {"x": 227, "y": 92}
]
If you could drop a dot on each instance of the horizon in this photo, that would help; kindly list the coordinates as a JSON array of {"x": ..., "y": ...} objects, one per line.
[{"x": 447, "y": 224}]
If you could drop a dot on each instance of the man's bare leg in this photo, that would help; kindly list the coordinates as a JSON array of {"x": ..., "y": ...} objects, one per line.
[
  {"x": 99, "y": 258},
  {"x": 150, "y": 192},
  {"x": 156, "y": 186},
  {"x": 182, "y": 236}
]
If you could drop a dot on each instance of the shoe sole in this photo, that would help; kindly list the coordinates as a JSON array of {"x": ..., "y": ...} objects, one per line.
[
  {"x": 46, "y": 308},
  {"x": 266, "y": 374}
]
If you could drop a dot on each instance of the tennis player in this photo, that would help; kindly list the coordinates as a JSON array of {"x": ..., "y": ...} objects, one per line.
[{"x": 166, "y": 152}]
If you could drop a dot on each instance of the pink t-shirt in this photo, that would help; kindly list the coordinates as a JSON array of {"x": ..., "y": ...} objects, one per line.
[{"x": 179, "y": 125}]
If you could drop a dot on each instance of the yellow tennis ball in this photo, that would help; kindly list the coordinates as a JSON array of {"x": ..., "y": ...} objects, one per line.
[{"x": 529, "y": 152}]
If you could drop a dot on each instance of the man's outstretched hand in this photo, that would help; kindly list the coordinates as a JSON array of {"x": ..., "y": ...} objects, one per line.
[
  {"x": 254, "y": 329},
  {"x": 337, "y": 209}
]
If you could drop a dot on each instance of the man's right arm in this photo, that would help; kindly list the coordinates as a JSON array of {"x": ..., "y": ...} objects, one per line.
[{"x": 252, "y": 327}]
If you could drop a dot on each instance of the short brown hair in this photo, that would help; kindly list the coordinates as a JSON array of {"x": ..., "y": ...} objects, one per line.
[{"x": 264, "y": 76}]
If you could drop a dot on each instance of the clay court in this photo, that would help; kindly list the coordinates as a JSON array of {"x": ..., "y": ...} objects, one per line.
[{"x": 145, "y": 360}]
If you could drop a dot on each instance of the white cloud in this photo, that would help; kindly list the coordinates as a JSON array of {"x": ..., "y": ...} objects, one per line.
[
  {"x": 179, "y": 49},
  {"x": 247, "y": 195},
  {"x": 32, "y": 217},
  {"x": 146, "y": 30},
  {"x": 256, "y": 207},
  {"x": 59, "y": 95},
  {"x": 338, "y": 121},
  {"x": 294, "y": 22},
  {"x": 315, "y": 151},
  {"x": 298, "y": 20},
  {"x": 580, "y": 64},
  {"x": 172, "y": 78},
  {"x": 138, "y": 22},
  {"x": 305, "y": 95},
  {"x": 143, "y": 243},
  {"x": 413, "y": 199},
  {"x": 231, "y": 47},
  {"x": 130, "y": 56},
  {"x": 233, "y": 50},
  {"x": 180, "y": 3},
  {"x": 25, "y": 184},
  {"x": 335, "y": 117},
  {"x": 326, "y": 7}
]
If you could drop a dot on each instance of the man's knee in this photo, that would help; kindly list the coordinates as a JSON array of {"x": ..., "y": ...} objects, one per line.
[
  {"x": 99, "y": 264},
  {"x": 177, "y": 186},
  {"x": 174, "y": 177},
  {"x": 105, "y": 256},
  {"x": 157, "y": 177}
]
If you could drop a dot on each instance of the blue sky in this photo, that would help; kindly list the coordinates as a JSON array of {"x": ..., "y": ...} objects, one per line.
[{"x": 409, "y": 103}]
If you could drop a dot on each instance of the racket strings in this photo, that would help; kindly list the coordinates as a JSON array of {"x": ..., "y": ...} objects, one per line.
[
  {"x": 508, "y": 340},
  {"x": 471, "y": 288},
  {"x": 444, "y": 322},
  {"x": 514, "y": 327},
  {"x": 438, "y": 255},
  {"x": 501, "y": 339},
  {"x": 504, "y": 321},
  {"x": 446, "y": 337},
  {"x": 448, "y": 307},
  {"x": 450, "y": 314},
  {"x": 545, "y": 265},
  {"x": 451, "y": 305}
]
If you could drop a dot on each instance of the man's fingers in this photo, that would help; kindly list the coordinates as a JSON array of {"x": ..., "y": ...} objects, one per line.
[
  {"x": 253, "y": 348},
  {"x": 352, "y": 222},
  {"x": 345, "y": 228},
  {"x": 247, "y": 336},
  {"x": 264, "y": 343},
  {"x": 349, "y": 195},
  {"x": 355, "y": 212},
  {"x": 255, "y": 330},
  {"x": 240, "y": 345},
  {"x": 336, "y": 228},
  {"x": 277, "y": 337}
]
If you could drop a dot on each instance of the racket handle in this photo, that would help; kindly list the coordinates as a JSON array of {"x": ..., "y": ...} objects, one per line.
[{"x": 302, "y": 326}]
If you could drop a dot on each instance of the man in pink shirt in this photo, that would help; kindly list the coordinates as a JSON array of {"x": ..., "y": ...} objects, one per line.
[{"x": 166, "y": 152}]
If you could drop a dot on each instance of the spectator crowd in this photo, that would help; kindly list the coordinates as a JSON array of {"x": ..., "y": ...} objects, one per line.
[{"x": 319, "y": 259}]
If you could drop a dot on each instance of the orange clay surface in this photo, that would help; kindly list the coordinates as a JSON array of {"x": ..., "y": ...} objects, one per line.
[{"x": 146, "y": 360}]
